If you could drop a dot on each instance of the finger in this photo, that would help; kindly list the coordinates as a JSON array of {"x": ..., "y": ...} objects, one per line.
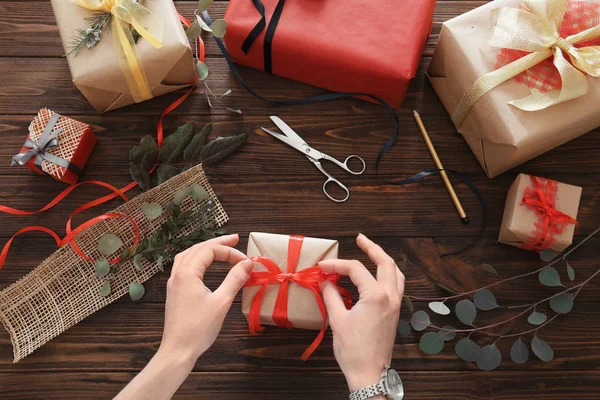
[
  {"x": 359, "y": 275},
  {"x": 235, "y": 280},
  {"x": 198, "y": 259},
  {"x": 386, "y": 267},
  {"x": 400, "y": 283},
  {"x": 182, "y": 258},
  {"x": 333, "y": 300},
  {"x": 227, "y": 240}
]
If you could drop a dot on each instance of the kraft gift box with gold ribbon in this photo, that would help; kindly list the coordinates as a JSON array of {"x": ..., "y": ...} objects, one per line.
[
  {"x": 496, "y": 67},
  {"x": 540, "y": 214},
  {"x": 118, "y": 71},
  {"x": 371, "y": 47}
]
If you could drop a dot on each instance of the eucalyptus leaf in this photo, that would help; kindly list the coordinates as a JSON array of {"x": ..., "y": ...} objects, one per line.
[
  {"x": 439, "y": 308},
  {"x": 192, "y": 151},
  {"x": 136, "y": 291},
  {"x": 160, "y": 262},
  {"x": 102, "y": 267},
  {"x": 152, "y": 210},
  {"x": 166, "y": 172},
  {"x": 570, "y": 272},
  {"x": 141, "y": 176},
  {"x": 124, "y": 253},
  {"x": 108, "y": 244},
  {"x": 420, "y": 321},
  {"x": 403, "y": 328},
  {"x": 519, "y": 352},
  {"x": 409, "y": 304},
  {"x": 199, "y": 193},
  {"x": 537, "y": 318},
  {"x": 490, "y": 269},
  {"x": 173, "y": 146},
  {"x": 201, "y": 70},
  {"x": 549, "y": 277},
  {"x": 220, "y": 148},
  {"x": 181, "y": 194},
  {"x": 466, "y": 312},
  {"x": 490, "y": 358},
  {"x": 467, "y": 350},
  {"x": 234, "y": 110},
  {"x": 203, "y": 24},
  {"x": 219, "y": 28},
  {"x": 548, "y": 255},
  {"x": 141, "y": 160},
  {"x": 105, "y": 289},
  {"x": 204, "y": 5},
  {"x": 562, "y": 304},
  {"x": 431, "y": 343},
  {"x": 485, "y": 300},
  {"x": 194, "y": 31},
  {"x": 448, "y": 333},
  {"x": 137, "y": 261},
  {"x": 542, "y": 350}
]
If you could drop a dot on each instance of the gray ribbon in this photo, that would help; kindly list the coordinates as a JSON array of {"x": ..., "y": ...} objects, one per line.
[{"x": 48, "y": 140}]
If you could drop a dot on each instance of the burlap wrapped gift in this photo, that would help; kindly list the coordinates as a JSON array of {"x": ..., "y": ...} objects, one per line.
[{"x": 97, "y": 73}]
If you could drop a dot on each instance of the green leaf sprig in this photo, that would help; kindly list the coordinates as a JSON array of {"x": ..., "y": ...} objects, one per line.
[
  {"x": 187, "y": 144},
  {"x": 489, "y": 357},
  {"x": 99, "y": 22}
]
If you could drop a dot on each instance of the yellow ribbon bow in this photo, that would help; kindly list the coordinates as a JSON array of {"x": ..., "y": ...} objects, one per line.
[
  {"x": 537, "y": 32},
  {"x": 148, "y": 25}
]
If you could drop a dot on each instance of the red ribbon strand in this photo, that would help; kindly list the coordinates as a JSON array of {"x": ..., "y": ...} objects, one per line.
[
  {"x": 308, "y": 278},
  {"x": 542, "y": 199}
]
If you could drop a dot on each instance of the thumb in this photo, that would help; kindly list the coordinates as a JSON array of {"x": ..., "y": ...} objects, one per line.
[
  {"x": 333, "y": 300},
  {"x": 235, "y": 280}
]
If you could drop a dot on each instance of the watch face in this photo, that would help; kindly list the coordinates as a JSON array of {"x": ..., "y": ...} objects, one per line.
[{"x": 394, "y": 385}]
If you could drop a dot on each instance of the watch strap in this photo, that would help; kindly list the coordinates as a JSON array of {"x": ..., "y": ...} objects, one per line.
[{"x": 365, "y": 393}]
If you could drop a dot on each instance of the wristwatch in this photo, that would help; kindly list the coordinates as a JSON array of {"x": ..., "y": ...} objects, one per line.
[{"x": 389, "y": 386}]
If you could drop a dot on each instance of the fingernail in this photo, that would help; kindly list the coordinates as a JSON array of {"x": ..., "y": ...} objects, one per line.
[{"x": 360, "y": 235}]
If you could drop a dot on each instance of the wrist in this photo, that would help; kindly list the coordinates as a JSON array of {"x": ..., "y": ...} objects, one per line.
[
  {"x": 363, "y": 379},
  {"x": 175, "y": 359}
]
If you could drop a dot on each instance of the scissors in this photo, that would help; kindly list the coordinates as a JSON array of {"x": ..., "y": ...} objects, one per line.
[{"x": 292, "y": 139}]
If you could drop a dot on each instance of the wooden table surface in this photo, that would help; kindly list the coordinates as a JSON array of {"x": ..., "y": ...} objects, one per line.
[{"x": 268, "y": 187}]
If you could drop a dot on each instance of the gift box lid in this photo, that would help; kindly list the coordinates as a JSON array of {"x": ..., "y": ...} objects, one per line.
[{"x": 303, "y": 310}]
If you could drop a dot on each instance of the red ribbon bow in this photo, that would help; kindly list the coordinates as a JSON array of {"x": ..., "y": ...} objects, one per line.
[
  {"x": 552, "y": 221},
  {"x": 308, "y": 278}
]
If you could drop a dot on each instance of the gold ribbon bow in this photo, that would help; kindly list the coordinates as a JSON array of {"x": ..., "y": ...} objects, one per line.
[
  {"x": 537, "y": 32},
  {"x": 148, "y": 25}
]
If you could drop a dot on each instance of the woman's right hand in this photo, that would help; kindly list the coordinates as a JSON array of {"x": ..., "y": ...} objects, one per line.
[{"x": 363, "y": 337}]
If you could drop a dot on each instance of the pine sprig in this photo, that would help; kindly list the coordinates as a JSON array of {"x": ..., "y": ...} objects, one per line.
[{"x": 98, "y": 22}]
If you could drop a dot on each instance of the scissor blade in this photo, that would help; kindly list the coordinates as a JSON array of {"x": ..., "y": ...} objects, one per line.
[
  {"x": 290, "y": 142},
  {"x": 285, "y": 128}
]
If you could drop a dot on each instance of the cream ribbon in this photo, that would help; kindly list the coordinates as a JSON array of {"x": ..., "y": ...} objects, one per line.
[
  {"x": 148, "y": 25},
  {"x": 537, "y": 32}
]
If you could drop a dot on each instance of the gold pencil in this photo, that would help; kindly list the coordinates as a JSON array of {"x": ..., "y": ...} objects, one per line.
[{"x": 444, "y": 175}]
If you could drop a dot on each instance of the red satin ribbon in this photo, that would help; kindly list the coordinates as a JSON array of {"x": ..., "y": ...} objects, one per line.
[
  {"x": 552, "y": 221},
  {"x": 71, "y": 233},
  {"x": 308, "y": 278}
]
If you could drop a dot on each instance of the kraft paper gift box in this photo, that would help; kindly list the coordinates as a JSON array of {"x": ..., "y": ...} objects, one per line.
[
  {"x": 303, "y": 310},
  {"x": 343, "y": 46},
  {"x": 97, "y": 73},
  {"x": 526, "y": 225},
  {"x": 500, "y": 135}
]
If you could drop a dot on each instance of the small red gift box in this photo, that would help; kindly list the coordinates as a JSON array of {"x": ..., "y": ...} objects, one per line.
[
  {"x": 57, "y": 146},
  {"x": 344, "y": 46}
]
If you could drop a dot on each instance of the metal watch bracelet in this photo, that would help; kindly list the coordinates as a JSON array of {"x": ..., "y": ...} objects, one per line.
[{"x": 365, "y": 393}]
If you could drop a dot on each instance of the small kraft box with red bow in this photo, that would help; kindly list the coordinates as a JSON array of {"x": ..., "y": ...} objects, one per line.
[
  {"x": 353, "y": 46},
  {"x": 540, "y": 214},
  {"x": 283, "y": 289},
  {"x": 57, "y": 146}
]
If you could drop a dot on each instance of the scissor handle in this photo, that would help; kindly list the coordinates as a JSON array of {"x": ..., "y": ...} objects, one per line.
[
  {"x": 344, "y": 165},
  {"x": 340, "y": 185}
]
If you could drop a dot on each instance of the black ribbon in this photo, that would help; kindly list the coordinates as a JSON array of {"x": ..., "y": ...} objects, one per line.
[
  {"x": 258, "y": 28},
  {"x": 269, "y": 35}
]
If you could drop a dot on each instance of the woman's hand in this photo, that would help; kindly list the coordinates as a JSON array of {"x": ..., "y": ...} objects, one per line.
[
  {"x": 363, "y": 337},
  {"x": 194, "y": 315}
]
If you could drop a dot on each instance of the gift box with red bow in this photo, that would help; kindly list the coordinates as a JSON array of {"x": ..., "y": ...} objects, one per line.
[
  {"x": 344, "y": 46},
  {"x": 57, "y": 146},
  {"x": 283, "y": 289},
  {"x": 540, "y": 214}
]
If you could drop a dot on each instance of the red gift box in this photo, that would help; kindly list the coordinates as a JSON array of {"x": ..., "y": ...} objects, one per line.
[
  {"x": 343, "y": 46},
  {"x": 66, "y": 148}
]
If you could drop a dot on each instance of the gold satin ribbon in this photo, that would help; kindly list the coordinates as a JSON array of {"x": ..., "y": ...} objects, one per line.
[
  {"x": 148, "y": 25},
  {"x": 537, "y": 32}
]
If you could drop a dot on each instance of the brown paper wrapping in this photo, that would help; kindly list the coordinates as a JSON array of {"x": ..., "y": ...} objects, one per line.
[
  {"x": 519, "y": 220},
  {"x": 96, "y": 72},
  {"x": 303, "y": 310},
  {"x": 501, "y": 136}
]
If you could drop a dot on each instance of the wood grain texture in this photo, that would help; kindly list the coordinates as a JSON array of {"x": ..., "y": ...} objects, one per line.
[{"x": 268, "y": 187}]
